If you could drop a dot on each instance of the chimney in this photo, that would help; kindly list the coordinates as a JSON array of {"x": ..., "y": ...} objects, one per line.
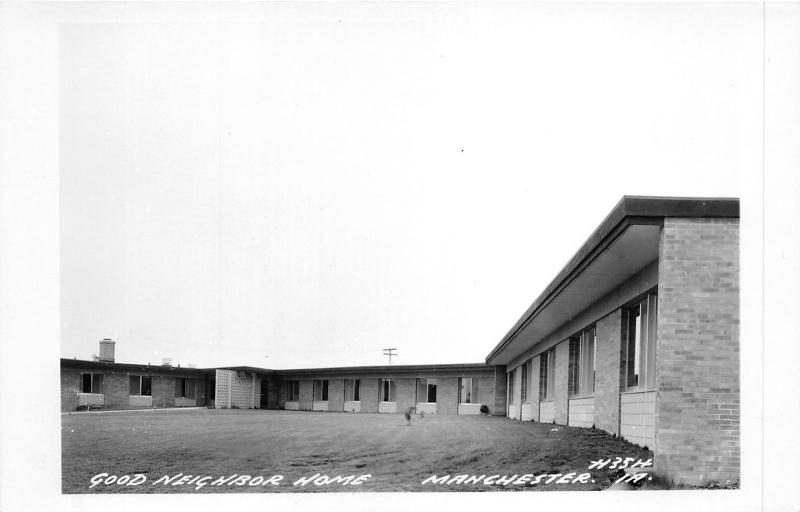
[{"x": 106, "y": 350}]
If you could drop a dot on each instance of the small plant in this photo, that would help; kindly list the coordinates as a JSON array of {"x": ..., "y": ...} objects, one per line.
[
  {"x": 484, "y": 409},
  {"x": 89, "y": 407}
]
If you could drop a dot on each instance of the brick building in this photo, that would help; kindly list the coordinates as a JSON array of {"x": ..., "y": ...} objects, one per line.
[
  {"x": 104, "y": 383},
  {"x": 638, "y": 335},
  {"x": 432, "y": 389}
]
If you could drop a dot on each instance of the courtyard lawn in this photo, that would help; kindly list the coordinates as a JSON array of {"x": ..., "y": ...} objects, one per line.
[{"x": 222, "y": 443}]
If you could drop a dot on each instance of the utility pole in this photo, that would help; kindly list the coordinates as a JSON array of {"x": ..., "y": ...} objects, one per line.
[{"x": 390, "y": 352}]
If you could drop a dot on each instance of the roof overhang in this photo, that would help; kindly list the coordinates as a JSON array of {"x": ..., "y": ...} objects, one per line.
[{"x": 624, "y": 243}]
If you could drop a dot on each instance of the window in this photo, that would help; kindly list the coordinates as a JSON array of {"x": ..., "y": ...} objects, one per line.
[
  {"x": 426, "y": 390},
  {"x": 292, "y": 390},
  {"x": 573, "y": 380},
  {"x": 92, "y": 383},
  {"x": 467, "y": 390},
  {"x": 511, "y": 376},
  {"x": 523, "y": 395},
  {"x": 581, "y": 363},
  {"x": 320, "y": 391},
  {"x": 141, "y": 385},
  {"x": 589, "y": 359},
  {"x": 184, "y": 388},
  {"x": 351, "y": 390},
  {"x": 387, "y": 390},
  {"x": 547, "y": 365},
  {"x": 639, "y": 344}
]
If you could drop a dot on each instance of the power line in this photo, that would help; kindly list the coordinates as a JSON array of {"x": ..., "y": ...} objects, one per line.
[{"x": 390, "y": 352}]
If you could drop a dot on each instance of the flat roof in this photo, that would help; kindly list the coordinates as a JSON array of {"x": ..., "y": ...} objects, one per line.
[
  {"x": 82, "y": 363},
  {"x": 630, "y": 210},
  {"x": 385, "y": 369}
]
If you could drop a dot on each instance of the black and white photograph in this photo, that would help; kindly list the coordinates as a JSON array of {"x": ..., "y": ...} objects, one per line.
[{"x": 344, "y": 250}]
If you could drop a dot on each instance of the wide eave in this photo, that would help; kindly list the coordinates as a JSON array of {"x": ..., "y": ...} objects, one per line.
[{"x": 624, "y": 243}]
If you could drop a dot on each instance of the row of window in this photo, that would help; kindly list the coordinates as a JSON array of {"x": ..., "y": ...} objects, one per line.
[
  {"x": 387, "y": 390},
  {"x": 141, "y": 385},
  {"x": 638, "y": 340}
]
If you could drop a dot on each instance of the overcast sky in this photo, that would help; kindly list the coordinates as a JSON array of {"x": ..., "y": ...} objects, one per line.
[{"x": 311, "y": 188}]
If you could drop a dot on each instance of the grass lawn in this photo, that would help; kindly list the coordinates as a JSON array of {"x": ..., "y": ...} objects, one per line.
[{"x": 222, "y": 443}]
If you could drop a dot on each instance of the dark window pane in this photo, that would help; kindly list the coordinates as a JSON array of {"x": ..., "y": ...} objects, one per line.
[
  {"x": 573, "y": 381},
  {"x": 543, "y": 376},
  {"x": 86, "y": 383},
  {"x": 356, "y": 384},
  {"x": 97, "y": 383},
  {"x": 432, "y": 393},
  {"x": 147, "y": 386},
  {"x": 524, "y": 387}
]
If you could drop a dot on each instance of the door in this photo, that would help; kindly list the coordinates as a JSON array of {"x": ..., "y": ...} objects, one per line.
[{"x": 264, "y": 398}]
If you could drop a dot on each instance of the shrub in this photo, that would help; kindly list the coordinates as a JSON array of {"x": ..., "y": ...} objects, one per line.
[{"x": 484, "y": 409}]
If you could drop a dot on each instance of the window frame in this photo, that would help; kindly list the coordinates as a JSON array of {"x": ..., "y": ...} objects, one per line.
[
  {"x": 140, "y": 387},
  {"x": 188, "y": 387},
  {"x": 321, "y": 394},
  {"x": 582, "y": 360},
  {"x": 474, "y": 387},
  {"x": 511, "y": 384},
  {"x": 637, "y": 355},
  {"x": 547, "y": 366},
  {"x": 94, "y": 382},
  {"x": 391, "y": 391},
  {"x": 424, "y": 388},
  {"x": 352, "y": 390},
  {"x": 292, "y": 391}
]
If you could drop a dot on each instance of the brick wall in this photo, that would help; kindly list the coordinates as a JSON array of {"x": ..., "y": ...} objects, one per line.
[
  {"x": 697, "y": 375},
  {"x": 116, "y": 388},
  {"x": 486, "y": 392},
  {"x": 406, "y": 393},
  {"x": 368, "y": 393},
  {"x": 447, "y": 396},
  {"x": 70, "y": 385},
  {"x": 607, "y": 369},
  {"x": 163, "y": 391},
  {"x": 335, "y": 394},
  {"x": 306, "y": 394},
  {"x": 560, "y": 397}
]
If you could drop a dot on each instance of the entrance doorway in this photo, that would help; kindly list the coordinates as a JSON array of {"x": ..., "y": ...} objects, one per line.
[{"x": 264, "y": 396}]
